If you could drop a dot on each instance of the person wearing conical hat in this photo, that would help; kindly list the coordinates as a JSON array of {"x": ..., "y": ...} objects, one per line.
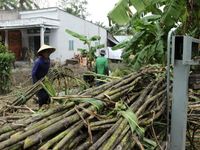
[{"x": 40, "y": 69}]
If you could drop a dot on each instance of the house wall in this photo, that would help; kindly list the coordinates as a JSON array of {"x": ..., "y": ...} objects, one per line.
[
  {"x": 58, "y": 38},
  {"x": 78, "y": 25},
  {"x": 9, "y": 15},
  {"x": 46, "y": 13}
]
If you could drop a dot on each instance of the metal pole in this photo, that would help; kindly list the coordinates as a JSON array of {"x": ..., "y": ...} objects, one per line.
[
  {"x": 179, "y": 106},
  {"x": 169, "y": 40}
]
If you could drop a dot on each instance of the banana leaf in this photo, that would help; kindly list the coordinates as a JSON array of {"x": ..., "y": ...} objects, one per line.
[
  {"x": 120, "y": 45},
  {"x": 133, "y": 121},
  {"x": 95, "y": 102},
  {"x": 120, "y": 13},
  {"x": 149, "y": 144},
  {"x": 76, "y": 35},
  {"x": 95, "y": 38},
  {"x": 139, "y": 5}
]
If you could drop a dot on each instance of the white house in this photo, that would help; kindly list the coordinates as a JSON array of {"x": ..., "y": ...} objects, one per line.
[{"x": 30, "y": 29}]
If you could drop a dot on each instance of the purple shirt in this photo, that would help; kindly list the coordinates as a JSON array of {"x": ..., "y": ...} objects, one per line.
[{"x": 40, "y": 68}]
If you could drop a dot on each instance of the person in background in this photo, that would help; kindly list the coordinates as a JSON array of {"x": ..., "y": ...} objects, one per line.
[
  {"x": 101, "y": 65},
  {"x": 40, "y": 69}
]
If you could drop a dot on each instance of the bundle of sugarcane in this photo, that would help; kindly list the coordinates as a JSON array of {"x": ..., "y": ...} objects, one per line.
[
  {"x": 124, "y": 114},
  {"x": 81, "y": 127},
  {"x": 55, "y": 74}
]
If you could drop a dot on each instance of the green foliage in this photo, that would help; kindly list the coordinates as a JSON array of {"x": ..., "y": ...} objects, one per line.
[
  {"x": 95, "y": 102},
  {"x": 6, "y": 60},
  {"x": 150, "y": 25},
  {"x": 121, "y": 72},
  {"x": 133, "y": 121},
  {"x": 149, "y": 144},
  {"x": 83, "y": 52},
  {"x": 75, "y": 7},
  {"x": 90, "y": 53},
  {"x": 120, "y": 14},
  {"x": 18, "y": 4},
  {"x": 48, "y": 86}
]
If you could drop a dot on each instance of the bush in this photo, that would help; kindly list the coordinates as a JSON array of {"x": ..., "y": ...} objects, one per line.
[{"x": 6, "y": 60}]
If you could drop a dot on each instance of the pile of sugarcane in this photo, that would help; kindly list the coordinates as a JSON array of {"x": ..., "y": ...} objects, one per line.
[
  {"x": 127, "y": 113},
  {"x": 106, "y": 117},
  {"x": 55, "y": 76}
]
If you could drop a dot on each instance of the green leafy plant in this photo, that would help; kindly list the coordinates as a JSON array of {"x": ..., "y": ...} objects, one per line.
[
  {"x": 90, "y": 52},
  {"x": 6, "y": 60},
  {"x": 150, "y": 24}
]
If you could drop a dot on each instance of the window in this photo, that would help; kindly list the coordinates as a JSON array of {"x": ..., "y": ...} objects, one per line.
[{"x": 71, "y": 45}]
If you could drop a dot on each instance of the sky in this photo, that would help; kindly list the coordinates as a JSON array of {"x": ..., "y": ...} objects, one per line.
[{"x": 98, "y": 9}]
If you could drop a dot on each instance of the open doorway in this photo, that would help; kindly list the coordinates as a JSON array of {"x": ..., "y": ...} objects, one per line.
[
  {"x": 34, "y": 44},
  {"x": 15, "y": 43}
]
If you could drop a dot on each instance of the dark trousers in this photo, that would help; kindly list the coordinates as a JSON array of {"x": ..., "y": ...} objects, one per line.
[
  {"x": 43, "y": 97},
  {"x": 98, "y": 83}
]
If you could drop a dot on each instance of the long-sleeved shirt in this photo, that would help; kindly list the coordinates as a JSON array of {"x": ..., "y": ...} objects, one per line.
[{"x": 40, "y": 68}]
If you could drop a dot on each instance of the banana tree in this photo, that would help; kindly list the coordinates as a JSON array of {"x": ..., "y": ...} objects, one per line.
[
  {"x": 150, "y": 24},
  {"x": 90, "y": 51}
]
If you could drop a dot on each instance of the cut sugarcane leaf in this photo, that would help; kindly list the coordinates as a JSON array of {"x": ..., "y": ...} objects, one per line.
[{"x": 47, "y": 85}]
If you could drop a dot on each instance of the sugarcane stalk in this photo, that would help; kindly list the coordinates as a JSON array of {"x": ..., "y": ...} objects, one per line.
[
  {"x": 125, "y": 142},
  {"x": 6, "y": 135},
  {"x": 124, "y": 123},
  {"x": 23, "y": 122},
  {"x": 120, "y": 137},
  {"x": 87, "y": 143},
  {"x": 64, "y": 123},
  {"x": 57, "y": 138},
  {"x": 37, "y": 123},
  {"x": 132, "y": 98},
  {"x": 160, "y": 110},
  {"x": 98, "y": 90},
  {"x": 141, "y": 98},
  {"x": 98, "y": 143},
  {"x": 17, "y": 146},
  {"x": 138, "y": 142},
  {"x": 69, "y": 135},
  {"x": 101, "y": 127},
  {"x": 10, "y": 127},
  {"x": 117, "y": 95},
  {"x": 126, "y": 81},
  {"x": 148, "y": 101},
  {"x": 34, "y": 130},
  {"x": 114, "y": 136},
  {"x": 124, "y": 87},
  {"x": 102, "y": 122},
  {"x": 76, "y": 141}
]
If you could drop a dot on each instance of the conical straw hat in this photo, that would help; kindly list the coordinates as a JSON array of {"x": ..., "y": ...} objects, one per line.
[{"x": 46, "y": 47}]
